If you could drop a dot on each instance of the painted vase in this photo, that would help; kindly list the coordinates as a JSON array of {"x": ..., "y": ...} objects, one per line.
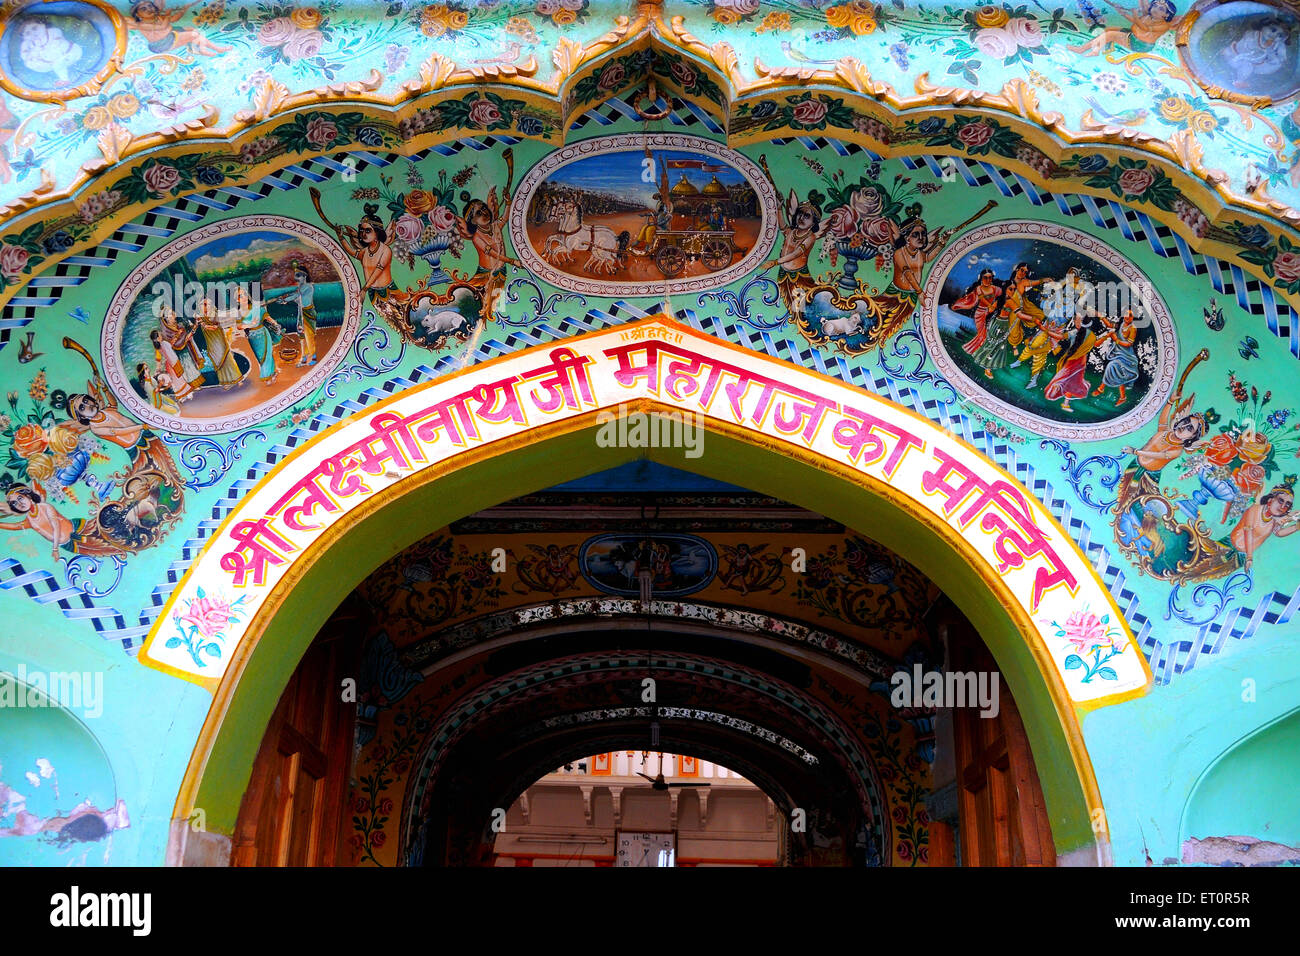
[{"x": 852, "y": 256}]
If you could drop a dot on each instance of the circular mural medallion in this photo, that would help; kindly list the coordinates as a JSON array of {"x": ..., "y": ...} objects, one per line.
[
  {"x": 1051, "y": 330},
  {"x": 1243, "y": 50},
  {"x": 59, "y": 50},
  {"x": 230, "y": 324},
  {"x": 643, "y": 215}
]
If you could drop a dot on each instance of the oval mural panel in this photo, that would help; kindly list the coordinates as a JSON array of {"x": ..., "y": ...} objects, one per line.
[
  {"x": 230, "y": 324},
  {"x": 678, "y": 563},
  {"x": 1051, "y": 330},
  {"x": 59, "y": 50},
  {"x": 643, "y": 215},
  {"x": 1244, "y": 50}
]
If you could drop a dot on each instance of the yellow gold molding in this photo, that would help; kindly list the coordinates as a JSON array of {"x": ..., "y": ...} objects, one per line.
[{"x": 1209, "y": 189}]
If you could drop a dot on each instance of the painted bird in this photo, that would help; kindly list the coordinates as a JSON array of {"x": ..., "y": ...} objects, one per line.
[
  {"x": 1248, "y": 348},
  {"x": 1214, "y": 316},
  {"x": 1127, "y": 118},
  {"x": 508, "y": 55},
  {"x": 25, "y": 353},
  {"x": 799, "y": 56},
  {"x": 80, "y": 314}
]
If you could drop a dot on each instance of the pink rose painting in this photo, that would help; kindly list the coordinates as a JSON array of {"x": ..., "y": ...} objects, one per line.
[
  {"x": 161, "y": 178},
  {"x": 1134, "y": 182},
  {"x": 1286, "y": 266},
  {"x": 484, "y": 113},
  {"x": 1092, "y": 641},
  {"x": 843, "y": 222},
  {"x": 442, "y": 219},
  {"x": 13, "y": 259},
  {"x": 809, "y": 113},
  {"x": 321, "y": 132},
  {"x": 408, "y": 228},
  {"x": 202, "y": 625}
]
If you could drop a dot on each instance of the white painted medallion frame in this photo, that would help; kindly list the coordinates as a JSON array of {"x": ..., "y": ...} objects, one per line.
[
  {"x": 142, "y": 275},
  {"x": 1166, "y": 339},
  {"x": 768, "y": 229}
]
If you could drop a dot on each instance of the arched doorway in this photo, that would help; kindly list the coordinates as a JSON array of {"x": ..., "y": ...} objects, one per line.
[{"x": 775, "y": 428}]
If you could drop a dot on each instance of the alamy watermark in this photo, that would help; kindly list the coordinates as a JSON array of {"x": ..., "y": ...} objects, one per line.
[
  {"x": 922, "y": 688},
  {"x": 73, "y": 690},
  {"x": 626, "y": 429},
  {"x": 192, "y": 298}
]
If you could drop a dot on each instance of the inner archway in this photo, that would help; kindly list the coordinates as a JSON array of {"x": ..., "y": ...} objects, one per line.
[{"x": 894, "y": 480}]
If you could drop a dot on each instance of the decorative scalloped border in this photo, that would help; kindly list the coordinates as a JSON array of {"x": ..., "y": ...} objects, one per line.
[{"x": 1210, "y": 217}]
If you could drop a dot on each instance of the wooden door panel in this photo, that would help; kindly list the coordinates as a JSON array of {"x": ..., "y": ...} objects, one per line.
[
  {"x": 1002, "y": 813},
  {"x": 292, "y": 812}
]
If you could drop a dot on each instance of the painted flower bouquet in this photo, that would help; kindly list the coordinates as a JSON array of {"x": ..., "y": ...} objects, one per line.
[
  {"x": 425, "y": 220},
  {"x": 866, "y": 217},
  {"x": 202, "y": 624},
  {"x": 1092, "y": 642},
  {"x": 285, "y": 32},
  {"x": 1235, "y": 465},
  {"x": 46, "y": 451}
]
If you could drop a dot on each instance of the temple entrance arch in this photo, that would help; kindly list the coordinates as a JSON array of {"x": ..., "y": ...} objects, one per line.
[{"x": 374, "y": 484}]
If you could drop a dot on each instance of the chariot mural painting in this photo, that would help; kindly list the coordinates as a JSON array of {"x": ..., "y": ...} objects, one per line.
[{"x": 638, "y": 215}]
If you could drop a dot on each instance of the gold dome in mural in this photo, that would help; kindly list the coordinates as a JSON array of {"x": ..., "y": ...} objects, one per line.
[
  {"x": 714, "y": 190},
  {"x": 684, "y": 187}
]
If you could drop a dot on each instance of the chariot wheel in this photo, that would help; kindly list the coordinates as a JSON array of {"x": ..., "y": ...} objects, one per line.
[
  {"x": 717, "y": 253},
  {"x": 671, "y": 260}
]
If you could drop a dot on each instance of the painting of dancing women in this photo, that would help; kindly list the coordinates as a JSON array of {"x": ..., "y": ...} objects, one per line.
[
  {"x": 1038, "y": 327},
  {"x": 229, "y": 327}
]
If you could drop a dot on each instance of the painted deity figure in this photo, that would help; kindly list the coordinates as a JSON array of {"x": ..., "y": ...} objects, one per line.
[
  {"x": 993, "y": 351},
  {"x": 1149, "y": 22},
  {"x": 915, "y": 246},
  {"x": 1258, "y": 53},
  {"x": 1180, "y": 431},
  {"x": 217, "y": 345},
  {"x": 741, "y": 559},
  {"x": 44, "y": 49},
  {"x": 1071, "y": 381},
  {"x": 157, "y": 24},
  {"x": 1268, "y": 517},
  {"x": 484, "y": 226},
  {"x": 168, "y": 366},
  {"x": 263, "y": 334},
  {"x": 801, "y": 226},
  {"x": 1045, "y": 341},
  {"x": 658, "y": 220},
  {"x": 371, "y": 245},
  {"x": 1122, "y": 365},
  {"x": 305, "y": 297},
  {"x": 178, "y": 344},
  {"x": 37, "y": 514},
  {"x": 1021, "y": 311},
  {"x": 981, "y": 300},
  {"x": 158, "y": 395}
]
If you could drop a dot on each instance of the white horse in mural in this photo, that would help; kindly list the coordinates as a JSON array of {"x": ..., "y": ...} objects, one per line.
[{"x": 572, "y": 235}]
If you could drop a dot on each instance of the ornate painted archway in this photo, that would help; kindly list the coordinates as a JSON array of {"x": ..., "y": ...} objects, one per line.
[{"x": 374, "y": 483}]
